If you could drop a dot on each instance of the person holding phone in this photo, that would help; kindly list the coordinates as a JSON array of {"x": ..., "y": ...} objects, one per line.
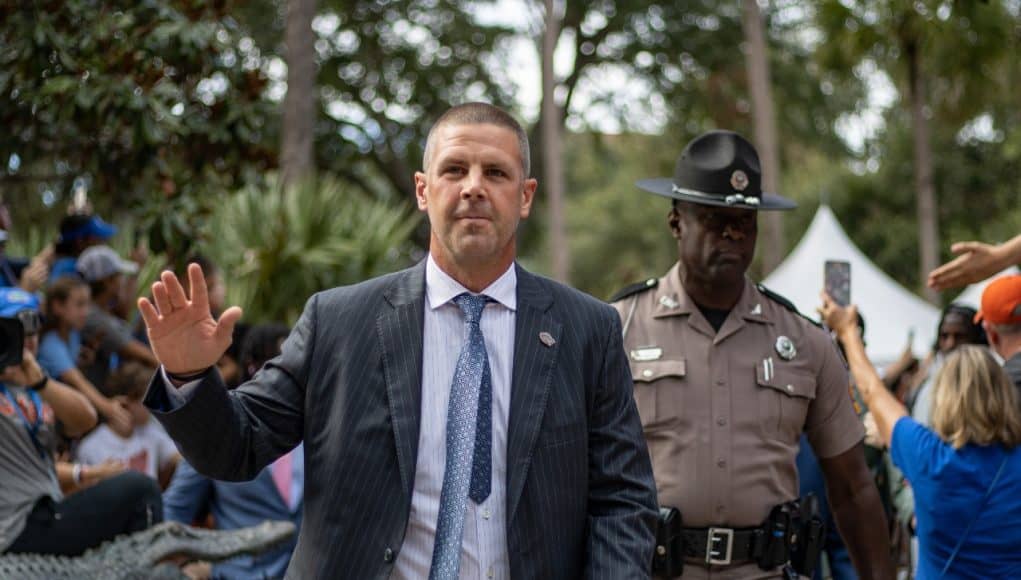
[{"x": 727, "y": 375}]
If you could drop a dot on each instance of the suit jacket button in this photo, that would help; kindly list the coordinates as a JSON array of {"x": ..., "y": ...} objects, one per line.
[{"x": 388, "y": 555}]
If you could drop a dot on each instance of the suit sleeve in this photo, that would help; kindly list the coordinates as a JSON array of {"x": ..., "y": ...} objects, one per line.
[
  {"x": 187, "y": 496},
  {"x": 232, "y": 435},
  {"x": 622, "y": 508}
]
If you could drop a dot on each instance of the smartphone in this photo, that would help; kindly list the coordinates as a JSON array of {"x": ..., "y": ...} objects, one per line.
[{"x": 837, "y": 281}]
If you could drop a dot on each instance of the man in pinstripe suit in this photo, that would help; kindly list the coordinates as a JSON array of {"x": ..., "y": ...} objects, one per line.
[{"x": 539, "y": 413}]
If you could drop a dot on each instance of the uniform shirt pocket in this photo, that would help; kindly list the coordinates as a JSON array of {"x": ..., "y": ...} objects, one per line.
[
  {"x": 784, "y": 396},
  {"x": 658, "y": 386}
]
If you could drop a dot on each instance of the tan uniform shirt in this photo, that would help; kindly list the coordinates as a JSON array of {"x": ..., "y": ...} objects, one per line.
[{"x": 723, "y": 412}]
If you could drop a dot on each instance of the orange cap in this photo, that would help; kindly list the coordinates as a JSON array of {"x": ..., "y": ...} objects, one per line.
[{"x": 1001, "y": 301}]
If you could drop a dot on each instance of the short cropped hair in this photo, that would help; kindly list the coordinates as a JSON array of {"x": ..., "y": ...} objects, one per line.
[
  {"x": 479, "y": 114},
  {"x": 974, "y": 401}
]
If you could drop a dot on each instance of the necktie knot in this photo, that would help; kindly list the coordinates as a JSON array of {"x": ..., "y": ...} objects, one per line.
[{"x": 471, "y": 305}]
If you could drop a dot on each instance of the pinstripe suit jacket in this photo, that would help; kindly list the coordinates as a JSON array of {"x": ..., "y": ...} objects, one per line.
[{"x": 581, "y": 500}]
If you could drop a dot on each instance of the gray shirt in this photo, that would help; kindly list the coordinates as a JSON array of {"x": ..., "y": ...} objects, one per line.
[
  {"x": 25, "y": 474},
  {"x": 107, "y": 334}
]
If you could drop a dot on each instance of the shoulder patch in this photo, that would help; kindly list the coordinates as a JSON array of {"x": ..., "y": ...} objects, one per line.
[
  {"x": 784, "y": 302},
  {"x": 636, "y": 288}
]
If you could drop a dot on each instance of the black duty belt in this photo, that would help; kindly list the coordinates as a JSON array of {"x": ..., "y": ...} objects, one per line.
[{"x": 723, "y": 546}]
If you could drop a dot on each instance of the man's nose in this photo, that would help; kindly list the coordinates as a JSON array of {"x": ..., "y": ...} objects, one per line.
[
  {"x": 733, "y": 232},
  {"x": 473, "y": 185}
]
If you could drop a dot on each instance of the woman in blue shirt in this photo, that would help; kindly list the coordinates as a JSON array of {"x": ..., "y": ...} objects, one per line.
[{"x": 965, "y": 470}]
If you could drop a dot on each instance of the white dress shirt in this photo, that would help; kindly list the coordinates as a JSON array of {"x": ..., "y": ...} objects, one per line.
[
  {"x": 484, "y": 543},
  {"x": 484, "y": 540}
]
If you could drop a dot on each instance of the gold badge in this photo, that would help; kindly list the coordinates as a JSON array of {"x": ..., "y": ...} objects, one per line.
[
  {"x": 739, "y": 180},
  {"x": 785, "y": 348}
]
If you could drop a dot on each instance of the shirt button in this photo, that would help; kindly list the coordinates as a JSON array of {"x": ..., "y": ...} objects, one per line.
[
  {"x": 721, "y": 462},
  {"x": 647, "y": 373},
  {"x": 720, "y": 382},
  {"x": 486, "y": 513},
  {"x": 388, "y": 555},
  {"x": 721, "y": 421},
  {"x": 489, "y": 573}
]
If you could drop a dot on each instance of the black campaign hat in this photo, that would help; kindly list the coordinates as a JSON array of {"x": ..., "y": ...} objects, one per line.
[{"x": 719, "y": 168}]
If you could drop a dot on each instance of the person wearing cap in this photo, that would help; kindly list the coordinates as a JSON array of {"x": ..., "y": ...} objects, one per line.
[
  {"x": 1000, "y": 315},
  {"x": 35, "y": 515},
  {"x": 78, "y": 232},
  {"x": 109, "y": 335},
  {"x": 965, "y": 469},
  {"x": 727, "y": 375}
]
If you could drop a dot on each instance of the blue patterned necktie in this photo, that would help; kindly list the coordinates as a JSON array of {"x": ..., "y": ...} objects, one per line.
[{"x": 468, "y": 469}]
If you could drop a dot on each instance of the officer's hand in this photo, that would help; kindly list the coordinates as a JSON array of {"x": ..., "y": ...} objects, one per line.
[
  {"x": 839, "y": 319},
  {"x": 183, "y": 334}
]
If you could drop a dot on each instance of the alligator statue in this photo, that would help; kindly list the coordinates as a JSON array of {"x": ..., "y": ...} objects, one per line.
[{"x": 143, "y": 555}]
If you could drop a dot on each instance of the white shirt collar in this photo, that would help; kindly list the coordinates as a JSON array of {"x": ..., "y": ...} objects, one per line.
[{"x": 441, "y": 288}]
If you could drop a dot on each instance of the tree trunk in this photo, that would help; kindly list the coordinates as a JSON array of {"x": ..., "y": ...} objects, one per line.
[
  {"x": 925, "y": 194},
  {"x": 552, "y": 125},
  {"x": 296, "y": 153},
  {"x": 764, "y": 119}
]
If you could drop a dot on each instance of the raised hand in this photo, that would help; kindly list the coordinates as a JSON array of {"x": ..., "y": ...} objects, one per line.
[{"x": 182, "y": 332}]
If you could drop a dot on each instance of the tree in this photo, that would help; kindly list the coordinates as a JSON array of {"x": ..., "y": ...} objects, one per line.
[
  {"x": 155, "y": 106},
  {"x": 552, "y": 126},
  {"x": 942, "y": 55},
  {"x": 300, "y": 104}
]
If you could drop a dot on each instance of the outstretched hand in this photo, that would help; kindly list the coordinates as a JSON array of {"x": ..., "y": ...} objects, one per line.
[
  {"x": 182, "y": 332},
  {"x": 975, "y": 262}
]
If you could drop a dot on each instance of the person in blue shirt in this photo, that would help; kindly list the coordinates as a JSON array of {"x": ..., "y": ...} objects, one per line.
[
  {"x": 965, "y": 470},
  {"x": 77, "y": 233},
  {"x": 275, "y": 494}
]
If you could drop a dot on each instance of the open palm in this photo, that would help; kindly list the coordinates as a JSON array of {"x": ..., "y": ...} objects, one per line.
[{"x": 183, "y": 334}]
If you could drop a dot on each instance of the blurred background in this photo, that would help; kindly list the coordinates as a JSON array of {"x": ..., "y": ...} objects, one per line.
[{"x": 280, "y": 137}]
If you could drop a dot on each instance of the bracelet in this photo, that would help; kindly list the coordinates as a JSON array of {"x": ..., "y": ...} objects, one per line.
[
  {"x": 41, "y": 384},
  {"x": 76, "y": 473},
  {"x": 188, "y": 377}
]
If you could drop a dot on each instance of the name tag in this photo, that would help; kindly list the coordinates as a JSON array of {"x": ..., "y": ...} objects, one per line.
[{"x": 647, "y": 353}]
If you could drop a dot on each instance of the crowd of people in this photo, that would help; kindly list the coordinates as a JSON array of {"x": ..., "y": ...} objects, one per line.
[
  {"x": 700, "y": 393},
  {"x": 82, "y": 460}
]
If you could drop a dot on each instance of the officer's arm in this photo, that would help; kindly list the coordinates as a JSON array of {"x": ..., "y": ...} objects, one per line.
[{"x": 854, "y": 501}]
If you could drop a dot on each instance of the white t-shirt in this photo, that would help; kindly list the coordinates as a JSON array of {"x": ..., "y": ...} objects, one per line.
[{"x": 147, "y": 450}]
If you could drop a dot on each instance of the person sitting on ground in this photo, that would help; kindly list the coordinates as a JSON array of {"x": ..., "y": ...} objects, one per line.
[
  {"x": 108, "y": 335},
  {"x": 148, "y": 449},
  {"x": 35, "y": 515},
  {"x": 965, "y": 470},
  {"x": 67, "y": 305},
  {"x": 975, "y": 262}
]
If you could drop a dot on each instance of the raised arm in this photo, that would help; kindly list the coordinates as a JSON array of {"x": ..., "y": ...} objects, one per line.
[{"x": 975, "y": 262}]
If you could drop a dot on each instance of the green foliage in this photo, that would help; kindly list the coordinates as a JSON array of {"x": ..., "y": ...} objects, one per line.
[
  {"x": 278, "y": 247},
  {"x": 145, "y": 102}
]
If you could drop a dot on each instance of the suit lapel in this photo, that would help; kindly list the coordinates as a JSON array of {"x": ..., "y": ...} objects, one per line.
[
  {"x": 400, "y": 335},
  {"x": 530, "y": 382}
]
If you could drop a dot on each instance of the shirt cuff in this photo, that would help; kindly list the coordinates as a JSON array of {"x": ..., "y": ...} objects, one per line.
[{"x": 178, "y": 396}]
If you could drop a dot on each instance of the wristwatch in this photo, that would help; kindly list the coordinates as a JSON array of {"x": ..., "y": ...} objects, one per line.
[{"x": 39, "y": 385}]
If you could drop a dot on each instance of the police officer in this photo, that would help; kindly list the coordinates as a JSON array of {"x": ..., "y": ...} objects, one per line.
[{"x": 728, "y": 375}]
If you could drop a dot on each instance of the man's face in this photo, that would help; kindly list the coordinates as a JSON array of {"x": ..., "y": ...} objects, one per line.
[
  {"x": 475, "y": 193},
  {"x": 715, "y": 244},
  {"x": 954, "y": 332}
]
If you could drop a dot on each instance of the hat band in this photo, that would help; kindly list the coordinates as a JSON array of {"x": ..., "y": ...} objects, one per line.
[{"x": 732, "y": 199}]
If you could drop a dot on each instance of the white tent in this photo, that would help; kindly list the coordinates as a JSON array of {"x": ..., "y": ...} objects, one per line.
[
  {"x": 972, "y": 295},
  {"x": 891, "y": 312}
]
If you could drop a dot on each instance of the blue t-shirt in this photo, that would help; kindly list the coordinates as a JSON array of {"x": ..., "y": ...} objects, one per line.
[
  {"x": 949, "y": 484},
  {"x": 56, "y": 356}
]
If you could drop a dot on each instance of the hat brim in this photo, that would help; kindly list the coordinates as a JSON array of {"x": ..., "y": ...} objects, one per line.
[{"x": 665, "y": 186}]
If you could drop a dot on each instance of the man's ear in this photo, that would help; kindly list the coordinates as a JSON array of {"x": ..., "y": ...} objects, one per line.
[
  {"x": 674, "y": 219},
  {"x": 528, "y": 196},
  {"x": 420, "y": 186}
]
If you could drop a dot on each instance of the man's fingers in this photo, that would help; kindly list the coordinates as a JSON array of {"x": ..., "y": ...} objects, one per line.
[
  {"x": 225, "y": 326},
  {"x": 149, "y": 314},
  {"x": 962, "y": 247},
  {"x": 199, "y": 292},
  {"x": 159, "y": 294},
  {"x": 174, "y": 289}
]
